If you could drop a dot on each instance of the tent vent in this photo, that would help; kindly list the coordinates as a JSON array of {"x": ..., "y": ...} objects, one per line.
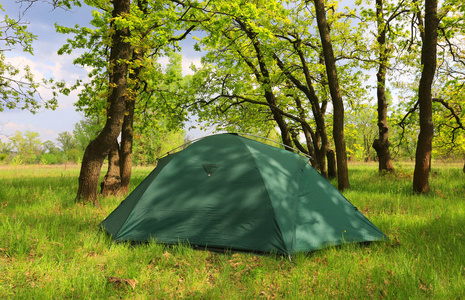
[{"x": 210, "y": 168}]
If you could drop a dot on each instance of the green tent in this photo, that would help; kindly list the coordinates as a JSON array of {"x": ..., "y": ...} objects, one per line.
[{"x": 226, "y": 191}]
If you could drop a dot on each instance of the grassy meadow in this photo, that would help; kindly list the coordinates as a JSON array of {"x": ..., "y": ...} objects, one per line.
[{"x": 51, "y": 248}]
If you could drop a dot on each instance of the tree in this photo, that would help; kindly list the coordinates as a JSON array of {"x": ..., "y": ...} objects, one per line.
[
  {"x": 66, "y": 141},
  {"x": 448, "y": 105},
  {"x": 50, "y": 147},
  {"x": 152, "y": 144},
  {"x": 153, "y": 25},
  {"x": 429, "y": 38},
  {"x": 27, "y": 145},
  {"x": 338, "y": 104},
  {"x": 5, "y": 150},
  {"x": 360, "y": 130},
  {"x": 98, "y": 149},
  {"x": 382, "y": 143},
  {"x": 265, "y": 63},
  {"x": 85, "y": 131},
  {"x": 18, "y": 87}
]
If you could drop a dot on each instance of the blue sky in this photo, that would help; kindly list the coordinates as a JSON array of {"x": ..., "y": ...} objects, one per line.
[{"x": 47, "y": 63}]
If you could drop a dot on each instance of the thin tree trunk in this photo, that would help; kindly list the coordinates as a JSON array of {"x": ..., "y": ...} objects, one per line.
[
  {"x": 382, "y": 143},
  {"x": 428, "y": 61},
  {"x": 331, "y": 164},
  {"x": 278, "y": 117},
  {"x": 309, "y": 137},
  {"x": 338, "y": 105},
  {"x": 98, "y": 149}
]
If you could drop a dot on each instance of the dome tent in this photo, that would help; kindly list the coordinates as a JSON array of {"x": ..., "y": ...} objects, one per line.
[{"x": 227, "y": 191}]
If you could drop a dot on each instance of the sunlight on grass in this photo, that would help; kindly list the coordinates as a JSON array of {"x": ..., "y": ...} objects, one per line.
[{"x": 51, "y": 248}]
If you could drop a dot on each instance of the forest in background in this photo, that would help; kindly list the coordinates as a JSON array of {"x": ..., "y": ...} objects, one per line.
[{"x": 369, "y": 81}]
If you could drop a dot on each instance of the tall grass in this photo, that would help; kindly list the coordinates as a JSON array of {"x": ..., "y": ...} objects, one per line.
[{"x": 51, "y": 247}]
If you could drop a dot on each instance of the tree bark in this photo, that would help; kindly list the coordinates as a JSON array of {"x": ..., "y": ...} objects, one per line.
[
  {"x": 111, "y": 184},
  {"x": 428, "y": 61},
  {"x": 331, "y": 164},
  {"x": 382, "y": 143},
  {"x": 278, "y": 117},
  {"x": 338, "y": 105},
  {"x": 98, "y": 149},
  {"x": 127, "y": 135},
  {"x": 309, "y": 151}
]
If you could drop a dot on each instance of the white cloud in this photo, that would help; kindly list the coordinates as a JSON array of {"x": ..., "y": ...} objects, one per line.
[
  {"x": 187, "y": 62},
  {"x": 10, "y": 128}
]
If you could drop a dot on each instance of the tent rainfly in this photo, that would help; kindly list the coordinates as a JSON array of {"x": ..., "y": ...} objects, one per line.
[{"x": 229, "y": 192}]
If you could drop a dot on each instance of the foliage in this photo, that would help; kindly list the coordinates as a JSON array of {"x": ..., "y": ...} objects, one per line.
[
  {"x": 360, "y": 131},
  {"x": 152, "y": 33},
  {"x": 153, "y": 144},
  {"x": 49, "y": 147},
  {"x": 52, "y": 248},
  {"x": 18, "y": 86},
  {"x": 263, "y": 48},
  {"x": 48, "y": 159},
  {"x": 26, "y": 148},
  {"x": 16, "y": 161},
  {"x": 66, "y": 141},
  {"x": 449, "y": 106},
  {"x": 86, "y": 130},
  {"x": 164, "y": 109},
  {"x": 27, "y": 145}
]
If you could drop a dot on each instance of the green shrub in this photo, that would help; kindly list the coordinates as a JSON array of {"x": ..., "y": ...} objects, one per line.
[
  {"x": 73, "y": 155},
  {"x": 48, "y": 159},
  {"x": 16, "y": 161}
]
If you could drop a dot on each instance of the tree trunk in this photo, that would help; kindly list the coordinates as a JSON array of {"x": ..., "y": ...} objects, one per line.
[
  {"x": 98, "y": 149},
  {"x": 111, "y": 184},
  {"x": 127, "y": 133},
  {"x": 310, "y": 151},
  {"x": 428, "y": 61},
  {"x": 338, "y": 105},
  {"x": 285, "y": 135},
  {"x": 310, "y": 146},
  {"x": 382, "y": 143},
  {"x": 126, "y": 146},
  {"x": 331, "y": 164}
]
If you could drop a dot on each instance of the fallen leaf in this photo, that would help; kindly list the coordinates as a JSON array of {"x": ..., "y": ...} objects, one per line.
[{"x": 118, "y": 281}]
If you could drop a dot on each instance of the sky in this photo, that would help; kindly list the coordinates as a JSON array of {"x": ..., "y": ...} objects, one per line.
[{"x": 47, "y": 63}]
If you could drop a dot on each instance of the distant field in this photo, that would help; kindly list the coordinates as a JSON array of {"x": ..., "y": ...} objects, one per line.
[{"x": 51, "y": 248}]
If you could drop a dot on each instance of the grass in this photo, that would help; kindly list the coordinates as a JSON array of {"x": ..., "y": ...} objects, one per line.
[{"x": 51, "y": 248}]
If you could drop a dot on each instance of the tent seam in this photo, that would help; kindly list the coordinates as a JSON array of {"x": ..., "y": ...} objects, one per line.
[
  {"x": 132, "y": 211},
  {"x": 267, "y": 192}
]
